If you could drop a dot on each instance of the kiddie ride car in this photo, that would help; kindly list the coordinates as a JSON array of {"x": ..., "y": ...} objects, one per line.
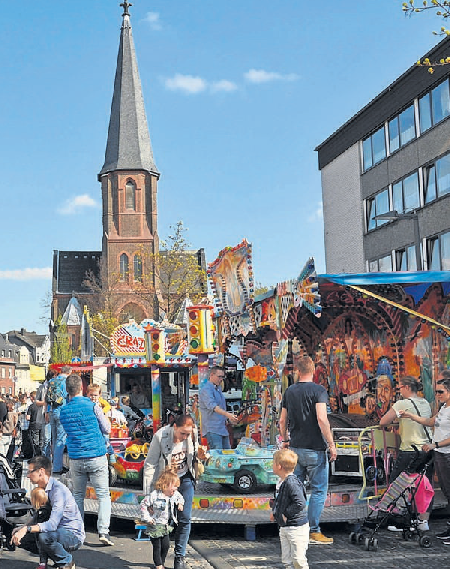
[
  {"x": 244, "y": 467},
  {"x": 129, "y": 464}
]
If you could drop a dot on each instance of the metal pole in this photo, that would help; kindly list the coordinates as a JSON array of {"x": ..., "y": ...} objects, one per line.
[{"x": 417, "y": 242}]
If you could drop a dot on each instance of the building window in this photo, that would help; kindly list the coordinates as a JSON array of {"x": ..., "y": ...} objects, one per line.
[
  {"x": 434, "y": 106},
  {"x": 10, "y": 372},
  {"x": 438, "y": 252},
  {"x": 405, "y": 194},
  {"x": 402, "y": 129},
  {"x": 123, "y": 267},
  {"x": 374, "y": 149},
  {"x": 437, "y": 179},
  {"x": 382, "y": 265},
  {"x": 137, "y": 268},
  {"x": 375, "y": 206},
  {"x": 3, "y": 373},
  {"x": 405, "y": 259},
  {"x": 130, "y": 195}
]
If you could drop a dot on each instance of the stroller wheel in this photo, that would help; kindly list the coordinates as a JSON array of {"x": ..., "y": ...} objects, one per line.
[
  {"x": 359, "y": 538},
  {"x": 425, "y": 541},
  {"x": 407, "y": 534},
  {"x": 352, "y": 537},
  {"x": 371, "y": 543}
]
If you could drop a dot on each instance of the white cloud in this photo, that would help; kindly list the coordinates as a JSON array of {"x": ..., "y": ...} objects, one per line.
[
  {"x": 26, "y": 274},
  {"x": 192, "y": 85},
  {"x": 224, "y": 85},
  {"x": 261, "y": 76},
  {"x": 76, "y": 204},
  {"x": 152, "y": 18},
  {"x": 186, "y": 84},
  {"x": 317, "y": 214}
]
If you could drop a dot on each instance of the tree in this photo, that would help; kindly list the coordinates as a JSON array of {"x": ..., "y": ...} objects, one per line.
[
  {"x": 103, "y": 304},
  {"x": 60, "y": 351},
  {"x": 176, "y": 272},
  {"x": 442, "y": 10}
]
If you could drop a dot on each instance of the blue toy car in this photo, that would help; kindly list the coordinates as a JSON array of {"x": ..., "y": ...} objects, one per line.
[{"x": 244, "y": 467}]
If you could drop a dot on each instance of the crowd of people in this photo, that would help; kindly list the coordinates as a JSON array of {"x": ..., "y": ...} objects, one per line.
[{"x": 83, "y": 423}]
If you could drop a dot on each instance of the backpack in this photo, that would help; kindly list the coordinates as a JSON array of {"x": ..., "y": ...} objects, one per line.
[{"x": 56, "y": 393}]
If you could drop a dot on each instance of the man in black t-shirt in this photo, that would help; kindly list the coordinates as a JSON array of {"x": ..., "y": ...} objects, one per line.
[{"x": 304, "y": 414}]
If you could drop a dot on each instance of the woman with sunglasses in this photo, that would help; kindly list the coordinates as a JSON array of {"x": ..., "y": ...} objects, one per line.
[{"x": 441, "y": 438}]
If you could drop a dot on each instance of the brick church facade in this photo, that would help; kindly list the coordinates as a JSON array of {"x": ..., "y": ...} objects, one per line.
[{"x": 129, "y": 180}]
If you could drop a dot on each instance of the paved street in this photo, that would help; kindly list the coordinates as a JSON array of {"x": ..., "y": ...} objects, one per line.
[{"x": 224, "y": 547}]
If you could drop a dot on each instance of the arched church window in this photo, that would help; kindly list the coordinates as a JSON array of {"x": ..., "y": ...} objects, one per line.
[
  {"x": 130, "y": 195},
  {"x": 123, "y": 267},
  {"x": 137, "y": 268}
]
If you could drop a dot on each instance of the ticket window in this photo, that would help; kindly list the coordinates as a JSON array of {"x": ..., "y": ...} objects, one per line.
[{"x": 138, "y": 386}]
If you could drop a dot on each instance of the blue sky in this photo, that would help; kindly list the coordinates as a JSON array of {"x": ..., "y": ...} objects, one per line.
[{"x": 238, "y": 95}]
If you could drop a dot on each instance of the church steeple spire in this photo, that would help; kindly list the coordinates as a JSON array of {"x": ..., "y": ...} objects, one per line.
[{"x": 128, "y": 146}]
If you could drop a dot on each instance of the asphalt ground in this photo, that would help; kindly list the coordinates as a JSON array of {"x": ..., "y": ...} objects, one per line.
[{"x": 223, "y": 546}]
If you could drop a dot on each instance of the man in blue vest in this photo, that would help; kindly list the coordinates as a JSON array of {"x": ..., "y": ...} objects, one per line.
[{"x": 85, "y": 424}]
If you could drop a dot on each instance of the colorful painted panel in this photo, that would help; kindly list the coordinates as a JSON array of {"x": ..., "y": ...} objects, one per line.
[{"x": 231, "y": 276}]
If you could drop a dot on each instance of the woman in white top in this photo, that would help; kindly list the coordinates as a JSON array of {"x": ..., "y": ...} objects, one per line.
[
  {"x": 441, "y": 437},
  {"x": 411, "y": 433}
]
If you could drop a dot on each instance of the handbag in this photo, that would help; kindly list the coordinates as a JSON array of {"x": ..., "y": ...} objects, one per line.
[{"x": 197, "y": 464}]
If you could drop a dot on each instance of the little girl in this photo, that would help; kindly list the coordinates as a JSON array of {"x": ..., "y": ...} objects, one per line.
[
  {"x": 40, "y": 513},
  {"x": 158, "y": 510}
]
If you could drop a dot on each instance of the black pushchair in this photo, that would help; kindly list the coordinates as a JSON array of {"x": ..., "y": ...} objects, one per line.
[
  {"x": 397, "y": 504},
  {"x": 14, "y": 505}
]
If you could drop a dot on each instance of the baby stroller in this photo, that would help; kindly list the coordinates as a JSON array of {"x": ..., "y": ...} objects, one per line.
[
  {"x": 400, "y": 502},
  {"x": 14, "y": 506}
]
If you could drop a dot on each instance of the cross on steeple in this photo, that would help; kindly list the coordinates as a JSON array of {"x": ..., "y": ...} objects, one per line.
[{"x": 125, "y": 5}]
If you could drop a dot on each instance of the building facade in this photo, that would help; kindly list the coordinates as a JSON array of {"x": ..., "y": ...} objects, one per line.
[
  {"x": 9, "y": 355},
  {"x": 32, "y": 356},
  {"x": 391, "y": 159}
]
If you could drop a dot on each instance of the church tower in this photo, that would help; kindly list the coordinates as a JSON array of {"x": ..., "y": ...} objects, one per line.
[{"x": 129, "y": 179}]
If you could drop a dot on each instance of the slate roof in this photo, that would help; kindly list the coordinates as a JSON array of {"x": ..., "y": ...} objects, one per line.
[
  {"x": 70, "y": 268},
  {"x": 128, "y": 146},
  {"x": 23, "y": 337}
]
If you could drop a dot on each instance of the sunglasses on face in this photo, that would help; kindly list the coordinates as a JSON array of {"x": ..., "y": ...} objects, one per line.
[{"x": 440, "y": 391}]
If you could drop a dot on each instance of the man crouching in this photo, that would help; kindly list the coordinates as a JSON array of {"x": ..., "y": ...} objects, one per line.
[{"x": 64, "y": 531}]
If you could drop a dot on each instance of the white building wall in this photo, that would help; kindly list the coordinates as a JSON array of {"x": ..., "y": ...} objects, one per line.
[{"x": 343, "y": 213}]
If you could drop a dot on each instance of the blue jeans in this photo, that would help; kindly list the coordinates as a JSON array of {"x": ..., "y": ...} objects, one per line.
[
  {"x": 47, "y": 445},
  {"x": 58, "y": 440},
  {"x": 218, "y": 441},
  {"x": 183, "y": 530},
  {"x": 57, "y": 545},
  {"x": 314, "y": 464},
  {"x": 96, "y": 470}
]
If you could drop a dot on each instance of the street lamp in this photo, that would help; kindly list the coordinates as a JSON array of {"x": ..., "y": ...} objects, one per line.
[{"x": 392, "y": 215}]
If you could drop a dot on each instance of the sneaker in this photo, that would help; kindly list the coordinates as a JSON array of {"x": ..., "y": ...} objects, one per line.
[
  {"x": 105, "y": 539},
  {"x": 318, "y": 537},
  {"x": 422, "y": 525},
  {"x": 446, "y": 541},
  {"x": 394, "y": 528},
  {"x": 444, "y": 535},
  {"x": 179, "y": 563}
]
